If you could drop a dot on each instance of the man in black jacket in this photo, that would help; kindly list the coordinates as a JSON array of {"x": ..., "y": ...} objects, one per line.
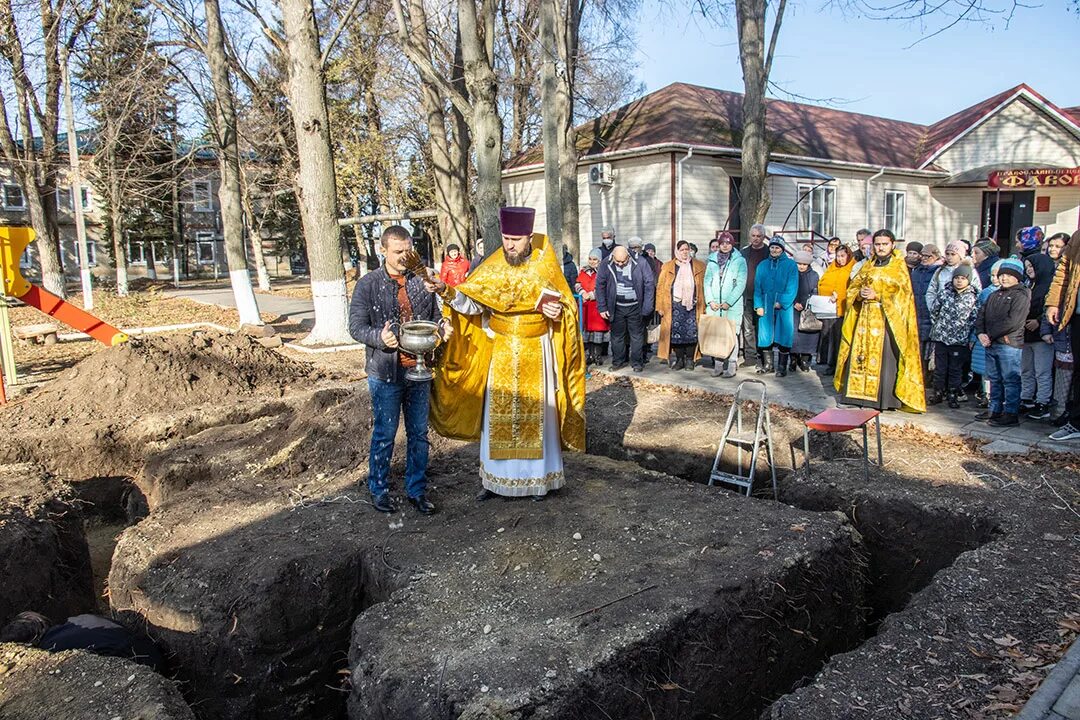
[
  {"x": 625, "y": 294},
  {"x": 382, "y": 300}
]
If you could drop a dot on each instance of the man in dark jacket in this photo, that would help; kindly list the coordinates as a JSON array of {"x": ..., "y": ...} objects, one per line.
[
  {"x": 382, "y": 300},
  {"x": 625, "y": 294},
  {"x": 754, "y": 254},
  {"x": 569, "y": 269},
  {"x": 921, "y": 277}
]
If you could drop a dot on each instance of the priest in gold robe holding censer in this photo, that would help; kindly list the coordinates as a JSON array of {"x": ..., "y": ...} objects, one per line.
[
  {"x": 878, "y": 365},
  {"x": 512, "y": 374}
]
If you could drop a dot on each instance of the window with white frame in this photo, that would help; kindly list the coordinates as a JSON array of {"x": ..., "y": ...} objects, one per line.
[
  {"x": 91, "y": 252},
  {"x": 13, "y": 197},
  {"x": 895, "y": 207},
  {"x": 817, "y": 209},
  {"x": 26, "y": 260},
  {"x": 136, "y": 252},
  {"x": 202, "y": 195},
  {"x": 204, "y": 248},
  {"x": 63, "y": 199}
]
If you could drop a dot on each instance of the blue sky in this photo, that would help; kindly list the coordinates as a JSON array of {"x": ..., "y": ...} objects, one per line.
[{"x": 867, "y": 66}]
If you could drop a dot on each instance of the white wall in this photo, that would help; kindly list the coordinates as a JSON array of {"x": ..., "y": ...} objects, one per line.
[{"x": 1019, "y": 133}]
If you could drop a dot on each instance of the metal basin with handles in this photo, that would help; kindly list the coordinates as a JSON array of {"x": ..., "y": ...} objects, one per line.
[{"x": 417, "y": 337}]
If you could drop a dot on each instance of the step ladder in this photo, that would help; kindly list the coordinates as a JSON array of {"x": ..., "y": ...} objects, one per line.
[{"x": 735, "y": 433}]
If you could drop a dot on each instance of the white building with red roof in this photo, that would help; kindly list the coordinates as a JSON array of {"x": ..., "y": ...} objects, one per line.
[{"x": 666, "y": 167}]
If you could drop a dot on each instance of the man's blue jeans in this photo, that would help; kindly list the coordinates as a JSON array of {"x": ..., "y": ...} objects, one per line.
[
  {"x": 388, "y": 401},
  {"x": 1003, "y": 371}
]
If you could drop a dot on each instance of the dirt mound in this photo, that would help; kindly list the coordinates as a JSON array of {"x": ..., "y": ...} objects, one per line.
[
  {"x": 44, "y": 560},
  {"x": 38, "y": 685},
  {"x": 159, "y": 374}
]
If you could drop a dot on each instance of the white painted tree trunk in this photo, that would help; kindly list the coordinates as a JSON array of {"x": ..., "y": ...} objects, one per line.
[
  {"x": 318, "y": 192},
  {"x": 232, "y": 218}
]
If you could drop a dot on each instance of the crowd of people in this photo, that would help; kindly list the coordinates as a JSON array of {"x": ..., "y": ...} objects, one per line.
[{"x": 895, "y": 325}]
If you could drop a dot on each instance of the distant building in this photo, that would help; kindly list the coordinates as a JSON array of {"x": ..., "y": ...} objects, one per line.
[
  {"x": 201, "y": 249},
  {"x": 666, "y": 167}
]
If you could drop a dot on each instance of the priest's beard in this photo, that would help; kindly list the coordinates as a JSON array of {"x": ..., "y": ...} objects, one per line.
[{"x": 514, "y": 260}]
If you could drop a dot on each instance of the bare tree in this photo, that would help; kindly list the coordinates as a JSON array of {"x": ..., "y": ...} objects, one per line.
[
  {"x": 128, "y": 93},
  {"x": 306, "y": 90},
  {"x": 35, "y": 160},
  {"x": 221, "y": 116},
  {"x": 477, "y": 101}
]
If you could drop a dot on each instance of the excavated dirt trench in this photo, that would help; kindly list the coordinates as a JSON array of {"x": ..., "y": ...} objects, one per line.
[{"x": 278, "y": 593}]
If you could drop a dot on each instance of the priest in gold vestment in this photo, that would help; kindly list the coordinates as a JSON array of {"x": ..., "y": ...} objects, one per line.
[
  {"x": 878, "y": 364},
  {"x": 512, "y": 374}
]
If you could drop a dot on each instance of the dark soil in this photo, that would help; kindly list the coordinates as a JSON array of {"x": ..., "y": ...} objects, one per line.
[
  {"x": 44, "y": 560},
  {"x": 75, "y": 685},
  {"x": 986, "y": 545},
  {"x": 519, "y": 609},
  {"x": 258, "y": 557},
  {"x": 157, "y": 374}
]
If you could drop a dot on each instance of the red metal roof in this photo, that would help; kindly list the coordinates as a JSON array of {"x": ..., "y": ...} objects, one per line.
[{"x": 690, "y": 114}]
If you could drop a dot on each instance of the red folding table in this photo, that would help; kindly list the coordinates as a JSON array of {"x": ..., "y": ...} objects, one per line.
[{"x": 842, "y": 420}]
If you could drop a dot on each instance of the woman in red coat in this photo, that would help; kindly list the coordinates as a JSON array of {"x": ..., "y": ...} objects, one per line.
[
  {"x": 596, "y": 327},
  {"x": 454, "y": 266}
]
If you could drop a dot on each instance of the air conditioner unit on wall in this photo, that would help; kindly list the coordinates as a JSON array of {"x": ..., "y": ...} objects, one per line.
[{"x": 600, "y": 174}]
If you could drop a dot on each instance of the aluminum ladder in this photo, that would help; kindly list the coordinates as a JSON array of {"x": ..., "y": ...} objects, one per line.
[{"x": 745, "y": 440}]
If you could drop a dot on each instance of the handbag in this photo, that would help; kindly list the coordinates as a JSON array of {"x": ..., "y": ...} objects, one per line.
[
  {"x": 809, "y": 322},
  {"x": 652, "y": 335},
  {"x": 717, "y": 336}
]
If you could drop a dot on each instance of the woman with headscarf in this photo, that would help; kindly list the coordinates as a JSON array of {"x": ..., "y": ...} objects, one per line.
[
  {"x": 834, "y": 284},
  {"x": 879, "y": 364},
  {"x": 725, "y": 282},
  {"x": 776, "y": 284},
  {"x": 597, "y": 328},
  {"x": 806, "y": 343},
  {"x": 680, "y": 300}
]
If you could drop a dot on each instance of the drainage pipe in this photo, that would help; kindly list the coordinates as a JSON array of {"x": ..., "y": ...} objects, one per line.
[
  {"x": 679, "y": 196},
  {"x": 869, "y": 180}
]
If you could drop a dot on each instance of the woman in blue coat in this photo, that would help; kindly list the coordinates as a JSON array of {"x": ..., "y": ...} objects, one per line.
[
  {"x": 725, "y": 281},
  {"x": 776, "y": 283}
]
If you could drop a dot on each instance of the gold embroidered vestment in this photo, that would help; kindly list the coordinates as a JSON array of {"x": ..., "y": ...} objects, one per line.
[{"x": 511, "y": 357}]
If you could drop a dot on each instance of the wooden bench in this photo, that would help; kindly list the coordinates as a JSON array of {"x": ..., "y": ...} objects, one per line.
[{"x": 41, "y": 334}]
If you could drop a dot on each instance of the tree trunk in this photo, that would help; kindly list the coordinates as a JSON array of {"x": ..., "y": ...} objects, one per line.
[
  {"x": 750, "y": 17},
  {"x": 552, "y": 125},
  {"x": 255, "y": 236},
  {"x": 52, "y": 271},
  {"x": 485, "y": 125},
  {"x": 451, "y": 199},
  {"x": 116, "y": 223},
  {"x": 232, "y": 218},
  {"x": 151, "y": 260},
  {"x": 318, "y": 199}
]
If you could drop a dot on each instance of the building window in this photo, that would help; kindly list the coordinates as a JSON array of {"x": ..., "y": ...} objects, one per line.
[
  {"x": 895, "y": 205},
  {"x": 136, "y": 252},
  {"x": 817, "y": 209},
  {"x": 202, "y": 193},
  {"x": 13, "y": 198},
  {"x": 26, "y": 260},
  {"x": 205, "y": 251},
  {"x": 63, "y": 199},
  {"x": 91, "y": 252}
]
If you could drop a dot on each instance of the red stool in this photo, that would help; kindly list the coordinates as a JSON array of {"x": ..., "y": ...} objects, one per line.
[{"x": 842, "y": 420}]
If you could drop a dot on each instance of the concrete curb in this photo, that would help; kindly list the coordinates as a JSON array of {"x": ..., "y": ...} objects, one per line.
[{"x": 1058, "y": 698}]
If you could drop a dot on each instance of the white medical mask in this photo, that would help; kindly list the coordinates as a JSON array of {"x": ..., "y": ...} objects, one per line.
[{"x": 608, "y": 241}]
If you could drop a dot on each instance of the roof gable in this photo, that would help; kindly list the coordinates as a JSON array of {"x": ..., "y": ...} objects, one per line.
[{"x": 944, "y": 134}]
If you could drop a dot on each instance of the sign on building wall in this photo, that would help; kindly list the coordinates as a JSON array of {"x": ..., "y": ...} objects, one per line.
[{"x": 1035, "y": 177}]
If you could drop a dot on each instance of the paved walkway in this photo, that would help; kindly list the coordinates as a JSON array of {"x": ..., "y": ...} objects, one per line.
[
  {"x": 814, "y": 393},
  {"x": 295, "y": 309}
]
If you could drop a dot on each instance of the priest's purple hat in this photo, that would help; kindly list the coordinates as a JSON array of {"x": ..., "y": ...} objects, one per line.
[{"x": 516, "y": 221}]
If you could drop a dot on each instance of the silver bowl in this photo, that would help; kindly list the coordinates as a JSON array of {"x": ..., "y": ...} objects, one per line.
[{"x": 416, "y": 338}]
